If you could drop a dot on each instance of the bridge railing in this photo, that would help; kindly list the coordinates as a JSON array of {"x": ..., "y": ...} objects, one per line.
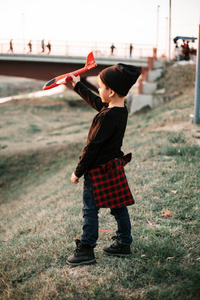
[{"x": 76, "y": 48}]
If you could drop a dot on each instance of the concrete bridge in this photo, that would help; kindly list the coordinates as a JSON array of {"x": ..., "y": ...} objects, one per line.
[{"x": 46, "y": 67}]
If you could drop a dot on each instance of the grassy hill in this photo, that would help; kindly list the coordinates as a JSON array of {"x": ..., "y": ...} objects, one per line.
[{"x": 40, "y": 209}]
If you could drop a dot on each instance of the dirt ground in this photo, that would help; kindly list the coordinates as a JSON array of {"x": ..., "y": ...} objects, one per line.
[
  {"x": 10, "y": 86},
  {"x": 176, "y": 78},
  {"x": 38, "y": 124}
]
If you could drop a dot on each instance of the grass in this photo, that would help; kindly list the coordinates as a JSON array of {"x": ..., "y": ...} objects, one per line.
[{"x": 40, "y": 214}]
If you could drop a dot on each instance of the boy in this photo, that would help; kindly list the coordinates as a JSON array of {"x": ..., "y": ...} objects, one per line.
[{"x": 102, "y": 163}]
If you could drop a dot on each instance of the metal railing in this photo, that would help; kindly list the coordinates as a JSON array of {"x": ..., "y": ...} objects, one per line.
[{"x": 75, "y": 48}]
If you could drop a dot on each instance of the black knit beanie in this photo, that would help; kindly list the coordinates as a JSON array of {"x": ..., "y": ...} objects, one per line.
[{"x": 120, "y": 78}]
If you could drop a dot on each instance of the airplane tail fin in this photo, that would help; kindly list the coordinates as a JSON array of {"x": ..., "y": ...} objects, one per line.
[{"x": 90, "y": 60}]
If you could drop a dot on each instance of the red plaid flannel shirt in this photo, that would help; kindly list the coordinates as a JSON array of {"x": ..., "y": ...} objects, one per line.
[{"x": 109, "y": 184}]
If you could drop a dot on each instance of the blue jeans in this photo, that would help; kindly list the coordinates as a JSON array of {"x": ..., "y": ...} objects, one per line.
[{"x": 90, "y": 219}]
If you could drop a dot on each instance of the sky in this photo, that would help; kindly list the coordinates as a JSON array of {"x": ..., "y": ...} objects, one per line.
[{"x": 114, "y": 21}]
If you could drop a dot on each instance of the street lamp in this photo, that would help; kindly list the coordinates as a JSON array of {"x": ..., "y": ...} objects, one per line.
[
  {"x": 157, "y": 31},
  {"x": 169, "y": 29},
  {"x": 166, "y": 37},
  {"x": 197, "y": 85},
  {"x": 23, "y": 26}
]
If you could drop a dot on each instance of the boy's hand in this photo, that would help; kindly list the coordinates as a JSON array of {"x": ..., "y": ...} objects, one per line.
[
  {"x": 74, "y": 178},
  {"x": 74, "y": 79}
]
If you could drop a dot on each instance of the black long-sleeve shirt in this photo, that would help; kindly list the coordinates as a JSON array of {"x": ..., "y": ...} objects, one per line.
[{"x": 106, "y": 133}]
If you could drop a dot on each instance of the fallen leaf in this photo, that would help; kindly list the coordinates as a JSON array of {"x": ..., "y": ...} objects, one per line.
[
  {"x": 135, "y": 192},
  {"x": 149, "y": 223},
  {"x": 174, "y": 192},
  {"x": 166, "y": 213}
]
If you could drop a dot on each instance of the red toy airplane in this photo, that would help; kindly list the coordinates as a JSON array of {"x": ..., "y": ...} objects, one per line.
[{"x": 62, "y": 79}]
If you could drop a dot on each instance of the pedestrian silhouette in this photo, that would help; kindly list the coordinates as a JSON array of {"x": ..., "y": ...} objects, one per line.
[
  {"x": 187, "y": 50},
  {"x": 112, "y": 49},
  {"x": 43, "y": 46},
  {"x": 30, "y": 46},
  {"x": 11, "y": 47},
  {"x": 49, "y": 47},
  {"x": 130, "y": 49}
]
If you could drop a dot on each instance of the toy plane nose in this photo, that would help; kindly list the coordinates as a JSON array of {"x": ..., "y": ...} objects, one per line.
[{"x": 48, "y": 84}]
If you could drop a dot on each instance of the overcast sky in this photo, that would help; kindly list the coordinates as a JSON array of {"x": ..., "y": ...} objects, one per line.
[{"x": 118, "y": 21}]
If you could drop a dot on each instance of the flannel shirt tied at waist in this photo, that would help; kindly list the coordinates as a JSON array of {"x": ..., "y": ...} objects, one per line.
[{"x": 109, "y": 184}]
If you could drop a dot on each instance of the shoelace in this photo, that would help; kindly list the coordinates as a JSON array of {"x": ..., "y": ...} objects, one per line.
[
  {"x": 78, "y": 246},
  {"x": 115, "y": 241}
]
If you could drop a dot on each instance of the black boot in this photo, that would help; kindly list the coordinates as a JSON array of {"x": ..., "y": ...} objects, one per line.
[
  {"x": 83, "y": 255},
  {"x": 117, "y": 249}
]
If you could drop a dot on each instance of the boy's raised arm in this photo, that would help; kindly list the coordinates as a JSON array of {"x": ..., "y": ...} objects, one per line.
[{"x": 91, "y": 98}]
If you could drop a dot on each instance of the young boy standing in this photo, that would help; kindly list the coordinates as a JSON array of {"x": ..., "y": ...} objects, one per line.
[{"x": 102, "y": 163}]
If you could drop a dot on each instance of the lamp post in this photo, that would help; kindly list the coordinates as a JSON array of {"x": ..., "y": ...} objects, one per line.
[
  {"x": 23, "y": 26},
  {"x": 197, "y": 85},
  {"x": 169, "y": 29},
  {"x": 166, "y": 38},
  {"x": 157, "y": 31}
]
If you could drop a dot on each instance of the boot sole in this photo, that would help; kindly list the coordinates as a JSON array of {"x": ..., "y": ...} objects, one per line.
[{"x": 89, "y": 262}]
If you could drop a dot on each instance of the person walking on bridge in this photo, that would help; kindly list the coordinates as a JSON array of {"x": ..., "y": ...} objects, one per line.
[
  {"x": 43, "y": 46},
  {"x": 30, "y": 46},
  {"x": 11, "y": 46},
  {"x": 130, "y": 49},
  {"x": 49, "y": 47},
  {"x": 112, "y": 49}
]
